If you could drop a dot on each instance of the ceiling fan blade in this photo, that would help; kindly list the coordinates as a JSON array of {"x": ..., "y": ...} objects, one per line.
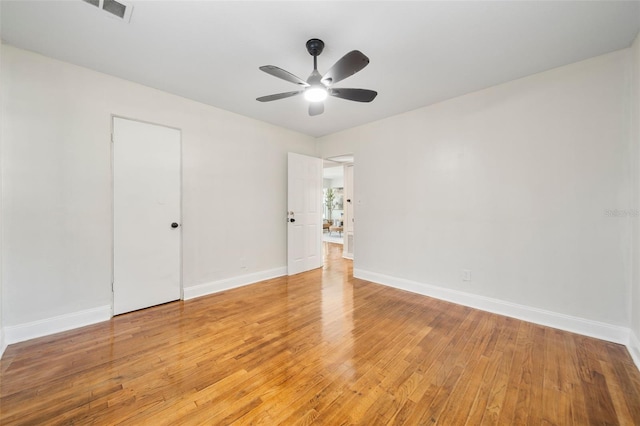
[
  {"x": 277, "y": 96},
  {"x": 285, "y": 75},
  {"x": 359, "y": 95},
  {"x": 316, "y": 108},
  {"x": 346, "y": 66}
]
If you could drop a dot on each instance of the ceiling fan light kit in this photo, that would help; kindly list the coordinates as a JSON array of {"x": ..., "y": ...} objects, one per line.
[
  {"x": 315, "y": 94},
  {"x": 317, "y": 87}
]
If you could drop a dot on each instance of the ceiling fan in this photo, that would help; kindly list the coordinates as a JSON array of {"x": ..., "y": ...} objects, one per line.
[{"x": 318, "y": 87}]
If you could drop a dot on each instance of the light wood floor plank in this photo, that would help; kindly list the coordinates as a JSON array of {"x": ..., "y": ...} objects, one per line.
[{"x": 317, "y": 348}]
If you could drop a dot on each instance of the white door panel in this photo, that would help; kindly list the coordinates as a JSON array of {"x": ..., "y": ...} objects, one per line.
[
  {"x": 304, "y": 241},
  {"x": 146, "y": 201}
]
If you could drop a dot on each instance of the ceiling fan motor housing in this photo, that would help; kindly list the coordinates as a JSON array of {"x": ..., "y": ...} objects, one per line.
[{"x": 315, "y": 46}]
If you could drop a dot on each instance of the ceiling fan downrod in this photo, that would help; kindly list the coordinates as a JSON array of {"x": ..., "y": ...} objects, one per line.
[{"x": 315, "y": 47}]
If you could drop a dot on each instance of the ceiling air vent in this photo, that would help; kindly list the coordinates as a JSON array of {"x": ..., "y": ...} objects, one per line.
[{"x": 118, "y": 9}]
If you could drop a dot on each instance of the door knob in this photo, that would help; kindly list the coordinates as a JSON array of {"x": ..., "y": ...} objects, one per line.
[{"x": 174, "y": 225}]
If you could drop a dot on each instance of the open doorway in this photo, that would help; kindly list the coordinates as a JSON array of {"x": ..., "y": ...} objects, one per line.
[
  {"x": 337, "y": 203},
  {"x": 333, "y": 202}
]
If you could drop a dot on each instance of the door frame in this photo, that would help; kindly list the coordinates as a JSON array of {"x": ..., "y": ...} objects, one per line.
[
  {"x": 112, "y": 200},
  {"x": 349, "y": 214}
]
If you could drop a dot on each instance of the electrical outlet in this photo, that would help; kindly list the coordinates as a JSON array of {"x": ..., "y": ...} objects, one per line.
[{"x": 466, "y": 275}]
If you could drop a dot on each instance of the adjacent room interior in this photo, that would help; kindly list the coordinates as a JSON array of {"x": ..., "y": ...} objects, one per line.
[
  {"x": 471, "y": 255},
  {"x": 333, "y": 201}
]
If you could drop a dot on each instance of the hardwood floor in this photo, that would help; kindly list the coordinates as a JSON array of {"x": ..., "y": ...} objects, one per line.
[{"x": 319, "y": 347}]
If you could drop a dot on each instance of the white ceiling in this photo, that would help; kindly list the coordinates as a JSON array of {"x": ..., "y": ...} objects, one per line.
[{"x": 420, "y": 52}]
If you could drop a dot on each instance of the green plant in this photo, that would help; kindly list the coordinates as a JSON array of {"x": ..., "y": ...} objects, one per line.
[{"x": 329, "y": 197}]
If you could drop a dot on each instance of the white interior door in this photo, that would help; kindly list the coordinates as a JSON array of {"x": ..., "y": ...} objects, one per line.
[
  {"x": 146, "y": 216},
  {"x": 304, "y": 233}
]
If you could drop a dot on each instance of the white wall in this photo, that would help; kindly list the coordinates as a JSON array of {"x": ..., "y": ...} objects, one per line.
[
  {"x": 57, "y": 186},
  {"x": 333, "y": 177},
  {"x": 2, "y": 339},
  {"x": 635, "y": 126},
  {"x": 337, "y": 182},
  {"x": 513, "y": 183}
]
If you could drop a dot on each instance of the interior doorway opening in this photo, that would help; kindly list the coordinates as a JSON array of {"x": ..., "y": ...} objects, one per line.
[{"x": 337, "y": 202}]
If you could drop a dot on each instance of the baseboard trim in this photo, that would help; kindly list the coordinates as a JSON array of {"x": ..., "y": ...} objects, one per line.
[
  {"x": 599, "y": 330},
  {"x": 3, "y": 344},
  {"x": 634, "y": 348},
  {"x": 233, "y": 282},
  {"x": 44, "y": 327}
]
